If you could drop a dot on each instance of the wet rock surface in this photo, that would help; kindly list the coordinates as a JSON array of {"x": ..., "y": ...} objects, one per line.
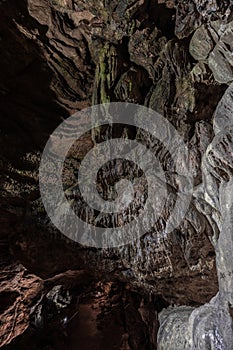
[{"x": 58, "y": 57}]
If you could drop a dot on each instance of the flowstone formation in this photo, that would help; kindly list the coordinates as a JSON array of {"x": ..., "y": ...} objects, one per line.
[
  {"x": 58, "y": 57},
  {"x": 211, "y": 326}
]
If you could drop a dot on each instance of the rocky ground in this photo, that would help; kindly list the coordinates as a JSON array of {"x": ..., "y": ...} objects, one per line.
[{"x": 58, "y": 57}]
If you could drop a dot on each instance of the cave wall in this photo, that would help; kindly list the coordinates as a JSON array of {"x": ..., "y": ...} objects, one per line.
[{"x": 60, "y": 56}]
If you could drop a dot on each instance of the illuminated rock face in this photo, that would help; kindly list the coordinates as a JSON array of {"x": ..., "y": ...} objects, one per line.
[
  {"x": 62, "y": 56},
  {"x": 210, "y": 326},
  {"x": 212, "y": 43}
]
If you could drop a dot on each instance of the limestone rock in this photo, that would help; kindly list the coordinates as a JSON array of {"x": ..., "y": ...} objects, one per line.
[
  {"x": 211, "y": 325},
  {"x": 212, "y": 44},
  {"x": 58, "y": 57},
  {"x": 145, "y": 48},
  {"x": 192, "y": 14}
]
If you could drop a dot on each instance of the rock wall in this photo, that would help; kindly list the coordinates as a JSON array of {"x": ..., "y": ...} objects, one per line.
[
  {"x": 210, "y": 326},
  {"x": 60, "y": 56}
]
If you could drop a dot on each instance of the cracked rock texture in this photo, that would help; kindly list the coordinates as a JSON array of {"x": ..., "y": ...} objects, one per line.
[
  {"x": 212, "y": 44},
  {"x": 58, "y": 57},
  {"x": 211, "y": 325}
]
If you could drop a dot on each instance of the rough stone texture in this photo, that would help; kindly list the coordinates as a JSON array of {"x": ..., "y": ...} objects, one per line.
[
  {"x": 208, "y": 327},
  {"x": 211, "y": 325},
  {"x": 145, "y": 48},
  {"x": 60, "y": 56},
  {"x": 212, "y": 44},
  {"x": 18, "y": 291},
  {"x": 192, "y": 13}
]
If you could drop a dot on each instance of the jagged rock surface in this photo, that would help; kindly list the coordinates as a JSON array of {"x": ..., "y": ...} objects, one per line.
[
  {"x": 212, "y": 44},
  {"x": 60, "y": 56},
  {"x": 192, "y": 13},
  {"x": 211, "y": 325}
]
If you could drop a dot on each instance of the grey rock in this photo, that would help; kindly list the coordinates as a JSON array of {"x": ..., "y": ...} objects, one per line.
[
  {"x": 191, "y": 14},
  {"x": 212, "y": 44},
  {"x": 211, "y": 326},
  {"x": 201, "y": 44}
]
